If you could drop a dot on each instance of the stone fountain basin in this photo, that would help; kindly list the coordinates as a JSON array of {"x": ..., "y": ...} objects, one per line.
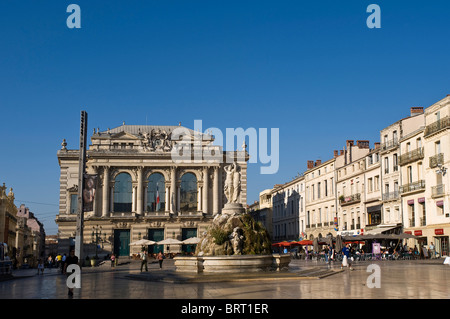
[{"x": 232, "y": 264}]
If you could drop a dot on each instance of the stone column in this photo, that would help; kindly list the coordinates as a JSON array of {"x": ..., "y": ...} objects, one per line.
[
  {"x": 167, "y": 198},
  {"x": 199, "y": 198},
  {"x": 105, "y": 192},
  {"x": 177, "y": 209},
  {"x": 173, "y": 189},
  {"x": 111, "y": 199},
  {"x": 205, "y": 190},
  {"x": 140, "y": 188},
  {"x": 216, "y": 191},
  {"x": 144, "y": 209},
  {"x": 133, "y": 198}
]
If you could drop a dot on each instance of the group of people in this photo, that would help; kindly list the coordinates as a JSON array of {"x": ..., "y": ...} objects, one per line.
[
  {"x": 144, "y": 259},
  {"x": 52, "y": 261}
]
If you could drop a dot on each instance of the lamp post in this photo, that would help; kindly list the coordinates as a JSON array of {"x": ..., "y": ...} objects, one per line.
[{"x": 96, "y": 237}]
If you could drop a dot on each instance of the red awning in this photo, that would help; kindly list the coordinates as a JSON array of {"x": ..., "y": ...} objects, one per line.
[{"x": 305, "y": 242}]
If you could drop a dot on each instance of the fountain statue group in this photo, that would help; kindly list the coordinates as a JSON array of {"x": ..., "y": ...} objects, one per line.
[{"x": 234, "y": 241}]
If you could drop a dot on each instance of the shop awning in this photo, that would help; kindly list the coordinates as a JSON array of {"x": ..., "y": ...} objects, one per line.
[{"x": 378, "y": 230}]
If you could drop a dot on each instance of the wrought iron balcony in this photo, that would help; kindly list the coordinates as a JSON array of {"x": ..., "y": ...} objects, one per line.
[
  {"x": 436, "y": 159},
  {"x": 411, "y": 156},
  {"x": 419, "y": 185},
  {"x": 391, "y": 196},
  {"x": 347, "y": 200},
  {"x": 437, "y": 126},
  {"x": 423, "y": 221},
  {"x": 389, "y": 144},
  {"x": 437, "y": 191}
]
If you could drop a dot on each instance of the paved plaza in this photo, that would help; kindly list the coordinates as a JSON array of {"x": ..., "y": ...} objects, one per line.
[{"x": 405, "y": 279}]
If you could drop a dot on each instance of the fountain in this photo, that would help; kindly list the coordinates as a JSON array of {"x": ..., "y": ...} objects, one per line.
[{"x": 234, "y": 242}]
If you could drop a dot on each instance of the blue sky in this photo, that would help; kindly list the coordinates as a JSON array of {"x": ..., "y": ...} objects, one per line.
[{"x": 313, "y": 69}]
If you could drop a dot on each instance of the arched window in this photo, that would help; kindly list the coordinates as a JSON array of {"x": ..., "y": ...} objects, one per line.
[
  {"x": 156, "y": 201},
  {"x": 188, "y": 193},
  {"x": 123, "y": 193}
]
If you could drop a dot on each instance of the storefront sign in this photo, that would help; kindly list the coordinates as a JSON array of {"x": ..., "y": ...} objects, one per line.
[
  {"x": 376, "y": 248},
  {"x": 439, "y": 231},
  {"x": 408, "y": 232},
  {"x": 417, "y": 233}
]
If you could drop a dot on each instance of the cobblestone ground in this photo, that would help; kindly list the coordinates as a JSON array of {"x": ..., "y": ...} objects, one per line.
[{"x": 415, "y": 279}]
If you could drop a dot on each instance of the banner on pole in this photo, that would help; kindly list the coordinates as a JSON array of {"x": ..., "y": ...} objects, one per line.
[{"x": 90, "y": 186}]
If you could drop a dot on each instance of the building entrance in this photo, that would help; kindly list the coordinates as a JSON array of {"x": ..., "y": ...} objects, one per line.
[{"x": 122, "y": 242}]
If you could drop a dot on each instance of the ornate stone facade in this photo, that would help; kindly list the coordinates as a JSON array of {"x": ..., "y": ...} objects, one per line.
[{"x": 142, "y": 190}]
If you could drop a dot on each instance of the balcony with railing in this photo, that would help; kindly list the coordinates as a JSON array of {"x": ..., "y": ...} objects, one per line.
[
  {"x": 391, "y": 196},
  {"x": 411, "y": 187},
  {"x": 412, "y": 156},
  {"x": 423, "y": 221},
  {"x": 389, "y": 144},
  {"x": 438, "y": 190},
  {"x": 437, "y": 126},
  {"x": 436, "y": 160},
  {"x": 348, "y": 200}
]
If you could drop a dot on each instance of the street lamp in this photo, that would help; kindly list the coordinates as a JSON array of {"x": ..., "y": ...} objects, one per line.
[{"x": 96, "y": 237}]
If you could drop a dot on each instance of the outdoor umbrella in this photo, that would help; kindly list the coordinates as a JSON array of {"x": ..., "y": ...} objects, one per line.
[
  {"x": 170, "y": 241},
  {"x": 192, "y": 241},
  {"x": 339, "y": 244},
  {"x": 316, "y": 245},
  {"x": 142, "y": 242},
  {"x": 405, "y": 236},
  {"x": 305, "y": 242}
]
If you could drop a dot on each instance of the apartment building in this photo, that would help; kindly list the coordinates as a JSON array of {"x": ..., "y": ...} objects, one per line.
[
  {"x": 372, "y": 189},
  {"x": 390, "y": 174},
  {"x": 320, "y": 199},
  {"x": 411, "y": 162},
  {"x": 402, "y": 184},
  {"x": 350, "y": 189},
  {"x": 436, "y": 136},
  {"x": 288, "y": 210}
]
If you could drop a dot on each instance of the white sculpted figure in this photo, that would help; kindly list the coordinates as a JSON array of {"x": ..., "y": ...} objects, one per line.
[
  {"x": 236, "y": 183},
  {"x": 228, "y": 188},
  {"x": 237, "y": 240},
  {"x": 232, "y": 186}
]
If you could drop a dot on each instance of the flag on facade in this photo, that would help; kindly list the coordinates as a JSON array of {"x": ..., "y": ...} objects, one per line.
[{"x": 157, "y": 197}]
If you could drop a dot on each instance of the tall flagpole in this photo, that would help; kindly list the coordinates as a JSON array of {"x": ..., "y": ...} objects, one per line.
[{"x": 81, "y": 172}]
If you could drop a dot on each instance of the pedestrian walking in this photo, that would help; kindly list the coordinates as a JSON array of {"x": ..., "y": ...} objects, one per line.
[
  {"x": 144, "y": 260},
  {"x": 432, "y": 251},
  {"x": 70, "y": 260},
  {"x": 346, "y": 262},
  {"x": 331, "y": 253},
  {"x": 40, "y": 267},
  {"x": 160, "y": 258},
  {"x": 113, "y": 261},
  {"x": 63, "y": 262}
]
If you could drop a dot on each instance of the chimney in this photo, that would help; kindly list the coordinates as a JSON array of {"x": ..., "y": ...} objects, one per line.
[
  {"x": 336, "y": 153},
  {"x": 310, "y": 164},
  {"x": 377, "y": 145},
  {"x": 342, "y": 152},
  {"x": 349, "y": 142},
  {"x": 362, "y": 144},
  {"x": 416, "y": 110},
  {"x": 318, "y": 162}
]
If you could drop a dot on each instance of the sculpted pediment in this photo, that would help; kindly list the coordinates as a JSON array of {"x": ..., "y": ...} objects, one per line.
[
  {"x": 157, "y": 141},
  {"x": 124, "y": 135}
]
